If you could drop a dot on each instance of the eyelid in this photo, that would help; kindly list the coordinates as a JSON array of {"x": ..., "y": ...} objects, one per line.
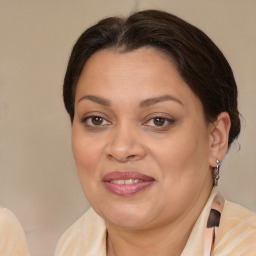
[
  {"x": 165, "y": 116},
  {"x": 94, "y": 114},
  {"x": 88, "y": 117},
  {"x": 158, "y": 114}
]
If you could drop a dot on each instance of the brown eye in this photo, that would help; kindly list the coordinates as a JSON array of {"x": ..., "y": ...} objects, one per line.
[
  {"x": 97, "y": 120},
  {"x": 159, "y": 121}
]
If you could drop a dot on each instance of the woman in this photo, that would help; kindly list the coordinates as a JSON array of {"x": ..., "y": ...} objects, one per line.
[
  {"x": 153, "y": 106},
  {"x": 12, "y": 237}
]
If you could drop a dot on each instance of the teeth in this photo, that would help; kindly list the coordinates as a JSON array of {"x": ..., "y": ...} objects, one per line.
[
  {"x": 125, "y": 182},
  {"x": 131, "y": 181}
]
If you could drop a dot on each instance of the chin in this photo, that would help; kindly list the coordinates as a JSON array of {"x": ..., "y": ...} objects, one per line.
[{"x": 126, "y": 216}]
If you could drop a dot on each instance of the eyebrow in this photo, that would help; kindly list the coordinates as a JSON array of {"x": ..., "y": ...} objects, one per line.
[
  {"x": 155, "y": 100},
  {"x": 145, "y": 103},
  {"x": 96, "y": 99}
]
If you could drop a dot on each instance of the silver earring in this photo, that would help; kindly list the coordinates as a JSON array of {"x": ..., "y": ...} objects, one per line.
[{"x": 216, "y": 173}]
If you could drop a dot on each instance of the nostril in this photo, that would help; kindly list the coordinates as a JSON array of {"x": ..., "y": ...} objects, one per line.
[
  {"x": 124, "y": 152},
  {"x": 122, "y": 158},
  {"x": 131, "y": 157}
]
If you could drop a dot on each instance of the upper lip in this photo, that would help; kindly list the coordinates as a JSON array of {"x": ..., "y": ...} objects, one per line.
[{"x": 126, "y": 175}]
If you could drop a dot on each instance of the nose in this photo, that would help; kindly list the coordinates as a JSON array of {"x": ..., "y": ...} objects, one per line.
[{"x": 125, "y": 144}]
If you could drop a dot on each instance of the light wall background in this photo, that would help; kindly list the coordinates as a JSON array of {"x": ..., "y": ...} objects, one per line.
[{"x": 38, "y": 179}]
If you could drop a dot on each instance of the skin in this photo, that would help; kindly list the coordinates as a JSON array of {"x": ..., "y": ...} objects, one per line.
[{"x": 177, "y": 152}]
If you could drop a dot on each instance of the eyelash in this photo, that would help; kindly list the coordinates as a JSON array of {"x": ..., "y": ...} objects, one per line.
[
  {"x": 87, "y": 119},
  {"x": 166, "y": 122},
  {"x": 88, "y": 122}
]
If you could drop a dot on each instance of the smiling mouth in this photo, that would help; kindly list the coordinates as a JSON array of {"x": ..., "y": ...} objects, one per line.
[{"x": 127, "y": 183}]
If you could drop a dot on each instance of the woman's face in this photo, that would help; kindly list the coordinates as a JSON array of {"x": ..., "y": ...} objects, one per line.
[{"x": 140, "y": 140}]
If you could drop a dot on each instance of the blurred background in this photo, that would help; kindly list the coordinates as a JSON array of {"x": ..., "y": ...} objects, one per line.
[{"x": 38, "y": 180}]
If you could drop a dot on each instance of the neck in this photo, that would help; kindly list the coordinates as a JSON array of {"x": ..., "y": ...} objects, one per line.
[
  {"x": 141, "y": 242},
  {"x": 166, "y": 240}
]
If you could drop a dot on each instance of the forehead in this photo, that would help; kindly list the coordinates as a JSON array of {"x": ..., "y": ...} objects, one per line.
[
  {"x": 143, "y": 72},
  {"x": 145, "y": 58}
]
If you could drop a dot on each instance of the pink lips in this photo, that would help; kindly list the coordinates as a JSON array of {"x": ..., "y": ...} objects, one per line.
[{"x": 142, "y": 181}]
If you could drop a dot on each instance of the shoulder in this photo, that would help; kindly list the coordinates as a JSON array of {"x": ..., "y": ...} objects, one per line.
[
  {"x": 237, "y": 231},
  {"x": 7, "y": 219},
  {"x": 86, "y": 236},
  {"x": 236, "y": 217},
  {"x": 13, "y": 240}
]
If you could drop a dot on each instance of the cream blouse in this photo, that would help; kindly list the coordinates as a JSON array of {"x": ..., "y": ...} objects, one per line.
[
  {"x": 12, "y": 237},
  {"x": 236, "y": 235}
]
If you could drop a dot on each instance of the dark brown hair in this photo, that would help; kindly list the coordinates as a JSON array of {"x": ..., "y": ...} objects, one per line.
[{"x": 199, "y": 61}]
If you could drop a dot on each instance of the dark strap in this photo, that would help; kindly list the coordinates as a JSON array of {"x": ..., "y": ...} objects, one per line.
[{"x": 213, "y": 224}]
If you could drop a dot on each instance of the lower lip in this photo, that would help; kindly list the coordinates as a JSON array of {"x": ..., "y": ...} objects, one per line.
[{"x": 127, "y": 190}]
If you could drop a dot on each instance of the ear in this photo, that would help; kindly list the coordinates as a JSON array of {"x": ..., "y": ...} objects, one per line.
[{"x": 218, "y": 132}]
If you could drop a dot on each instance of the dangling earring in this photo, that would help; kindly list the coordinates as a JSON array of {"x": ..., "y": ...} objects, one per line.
[{"x": 216, "y": 173}]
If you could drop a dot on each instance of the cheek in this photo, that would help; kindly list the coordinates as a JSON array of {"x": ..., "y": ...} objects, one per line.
[
  {"x": 184, "y": 153},
  {"x": 86, "y": 153},
  {"x": 183, "y": 162},
  {"x": 87, "y": 158}
]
